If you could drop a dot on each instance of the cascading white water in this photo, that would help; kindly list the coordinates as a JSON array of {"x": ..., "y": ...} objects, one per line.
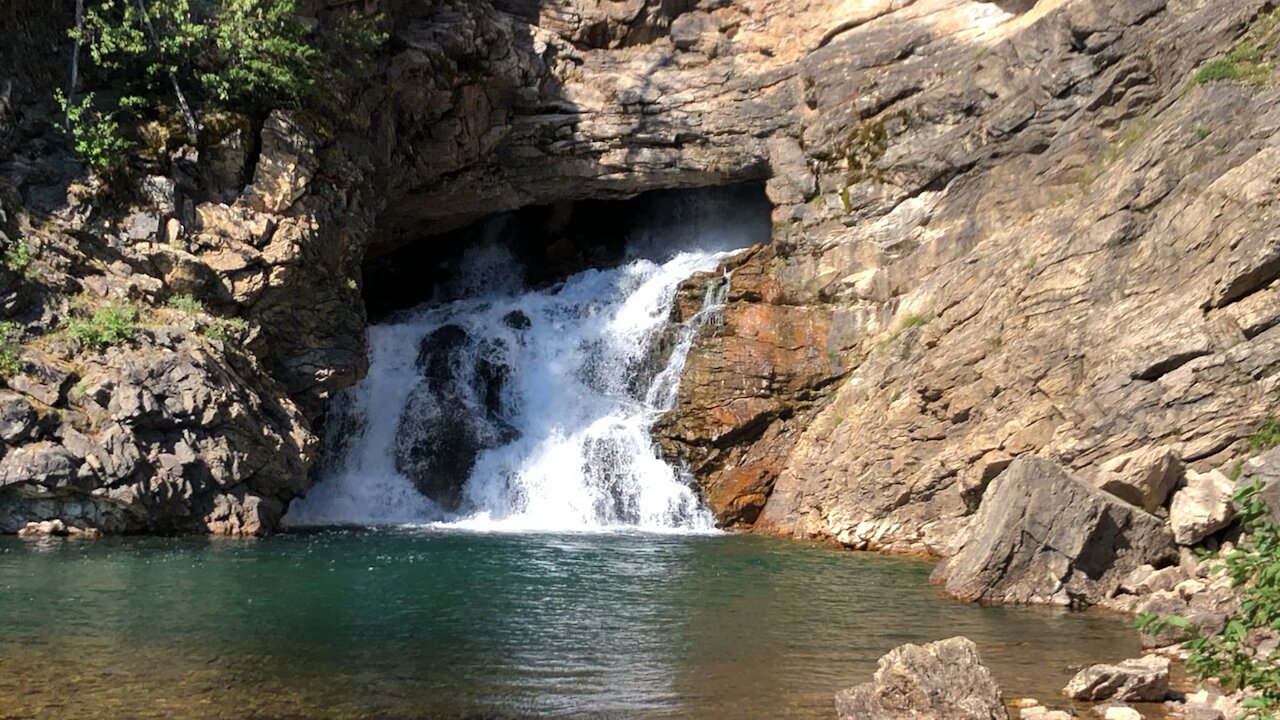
[{"x": 526, "y": 409}]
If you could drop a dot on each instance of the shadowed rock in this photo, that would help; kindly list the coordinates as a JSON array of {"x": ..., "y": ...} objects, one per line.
[{"x": 1042, "y": 537}]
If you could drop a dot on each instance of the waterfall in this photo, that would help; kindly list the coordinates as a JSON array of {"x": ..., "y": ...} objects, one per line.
[{"x": 526, "y": 409}]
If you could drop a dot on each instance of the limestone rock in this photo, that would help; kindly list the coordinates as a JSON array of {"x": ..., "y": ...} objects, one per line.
[
  {"x": 1144, "y": 679},
  {"x": 286, "y": 164},
  {"x": 1202, "y": 508},
  {"x": 943, "y": 680},
  {"x": 1146, "y": 579},
  {"x": 184, "y": 438},
  {"x": 1042, "y": 537},
  {"x": 1143, "y": 477}
]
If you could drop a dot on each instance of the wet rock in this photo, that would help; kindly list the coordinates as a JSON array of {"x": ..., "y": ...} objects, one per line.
[
  {"x": 1202, "y": 508},
  {"x": 436, "y": 444},
  {"x": 1120, "y": 712},
  {"x": 45, "y": 528},
  {"x": 1143, "y": 679},
  {"x": 1143, "y": 477},
  {"x": 737, "y": 413},
  {"x": 517, "y": 320},
  {"x": 1200, "y": 711},
  {"x": 1043, "y": 713},
  {"x": 1042, "y": 537},
  {"x": 944, "y": 680}
]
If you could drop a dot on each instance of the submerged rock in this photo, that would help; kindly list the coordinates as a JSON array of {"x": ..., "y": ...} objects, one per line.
[
  {"x": 943, "y": 680},
  {"x": 1143, "y": 679},
  {"x": 1042, "y": 537}
]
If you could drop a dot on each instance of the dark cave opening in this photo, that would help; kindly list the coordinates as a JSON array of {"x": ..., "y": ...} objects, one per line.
[{"x": 551, "y": 242}]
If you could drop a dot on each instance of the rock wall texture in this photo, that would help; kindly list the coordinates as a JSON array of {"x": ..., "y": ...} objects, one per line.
[
  {"x": 1038, "y": 237},
  {"x": 1002, "y": 228}
]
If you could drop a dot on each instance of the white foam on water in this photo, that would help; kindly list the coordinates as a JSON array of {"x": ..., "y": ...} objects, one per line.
[{"x": 558, "y": 388}]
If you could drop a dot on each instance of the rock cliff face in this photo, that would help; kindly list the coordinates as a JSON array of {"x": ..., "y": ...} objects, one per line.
[
  {"x": 1001, "y": 228},
  {"x": 1049, "y": 239}
]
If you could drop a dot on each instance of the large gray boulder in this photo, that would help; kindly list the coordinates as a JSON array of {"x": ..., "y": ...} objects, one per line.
[
  {"x": 1042, "y": 537},
  {"x": 943, "y": 680}
]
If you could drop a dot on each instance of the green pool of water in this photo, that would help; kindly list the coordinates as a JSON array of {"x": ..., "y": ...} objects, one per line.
[{"x": 437, "y": 624}]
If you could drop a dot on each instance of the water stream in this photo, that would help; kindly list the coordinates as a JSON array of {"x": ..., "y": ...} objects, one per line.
[{"x": 502, "y": 406}]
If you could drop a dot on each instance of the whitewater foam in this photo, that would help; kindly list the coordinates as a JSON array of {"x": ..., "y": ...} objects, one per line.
[{"x": 521, "y": 410}]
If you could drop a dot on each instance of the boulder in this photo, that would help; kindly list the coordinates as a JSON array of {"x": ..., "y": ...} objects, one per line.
[
  {"x": 1143, "y": 477},
  {"x": 1042, "y": 537},
  {"x": 1146, "y": 579},
  {"x": 1143, "y": 679},
  {"x": 1202, "y": 508},
  {"x": 943, "y": 680},
  {"x": 1120, "y": 712}
]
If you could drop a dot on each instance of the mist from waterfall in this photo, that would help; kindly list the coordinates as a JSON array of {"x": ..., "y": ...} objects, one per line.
[{"x": 530, "y": 409}]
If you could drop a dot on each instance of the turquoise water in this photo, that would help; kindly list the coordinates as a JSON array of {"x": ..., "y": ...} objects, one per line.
[{"x": 437, "y": 624}]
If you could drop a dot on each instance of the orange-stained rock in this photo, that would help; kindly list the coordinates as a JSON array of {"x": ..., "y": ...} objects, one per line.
[{"x": 752, "y": 373}]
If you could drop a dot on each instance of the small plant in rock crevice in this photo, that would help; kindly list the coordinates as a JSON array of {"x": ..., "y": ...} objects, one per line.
[
  {"x": 225, "y": 330},
  {"x": 113, "y": 324},
  {"x": 913, "y": 320},
  {"x": 1267, "y": 437},
  {"x": 94, "y": 135},
  {"x": 217, "y": 329},
  {"x": 10, "y": 362},
  {"x": 18, "y": 256},
  {"x": 1250, "y": 61},
  {"x": 186, "y": 304}
]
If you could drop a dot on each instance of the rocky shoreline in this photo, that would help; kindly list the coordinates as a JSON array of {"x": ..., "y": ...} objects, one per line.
[{"x": 946, "y": 680}]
